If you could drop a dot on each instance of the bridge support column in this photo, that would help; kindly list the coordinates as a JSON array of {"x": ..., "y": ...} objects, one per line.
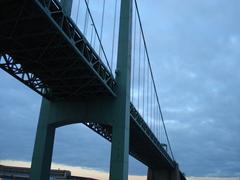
[
  {"x": 43, "y": 148},
  {"x": 121, "y": 106},
  {"x": 163, "y": 174},
  {"x": 119, "y": 152}
]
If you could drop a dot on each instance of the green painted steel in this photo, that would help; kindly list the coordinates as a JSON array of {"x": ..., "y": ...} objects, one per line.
[
  {"x": 104, "y": 108},
  {"x": 43, "y": 148},
  {"x": 51, "y": 113},
  {"x": 66, "y": 55},
  {"x": 121, "y": 122}
]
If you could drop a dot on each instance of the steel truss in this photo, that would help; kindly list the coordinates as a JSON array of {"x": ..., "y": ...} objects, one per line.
[
  {"x": 75, "y": 36},
  {"x": 8, "y": 64},
  {"x": 48, "y": 50}
]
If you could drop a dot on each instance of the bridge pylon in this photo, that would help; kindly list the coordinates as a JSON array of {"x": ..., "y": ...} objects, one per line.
[
  {"x": 121, "y": 121},
  {"x": 114, "y": 112}
]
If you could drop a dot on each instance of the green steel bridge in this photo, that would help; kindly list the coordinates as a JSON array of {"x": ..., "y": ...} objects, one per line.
[{"x": 41, "y": 46}]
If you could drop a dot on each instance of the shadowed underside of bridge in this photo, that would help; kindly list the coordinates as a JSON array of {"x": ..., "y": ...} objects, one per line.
[
  {"x": 49, "y": 48},
  {"x": 44, "y": 49}
]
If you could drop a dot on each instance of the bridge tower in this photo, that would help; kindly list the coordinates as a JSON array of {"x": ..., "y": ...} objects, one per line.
[{"x": 110, "y": 111}]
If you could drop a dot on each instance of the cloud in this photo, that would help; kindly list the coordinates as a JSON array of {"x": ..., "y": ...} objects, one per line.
[{"x": 194, "y": 50}]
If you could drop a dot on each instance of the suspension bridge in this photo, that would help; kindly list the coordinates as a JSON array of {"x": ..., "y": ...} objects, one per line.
[{"x": 57, "y": 49}]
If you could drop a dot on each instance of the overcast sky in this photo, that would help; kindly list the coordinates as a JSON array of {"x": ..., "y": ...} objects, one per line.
[{"x": 194, "y": 48}]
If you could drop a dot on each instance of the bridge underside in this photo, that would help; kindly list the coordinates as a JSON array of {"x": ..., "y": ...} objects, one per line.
[
  {"x": 44, "y": 49},
  {"x": 48, "y": 52}
]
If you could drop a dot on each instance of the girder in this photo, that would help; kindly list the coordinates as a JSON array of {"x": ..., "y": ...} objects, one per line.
[{"x": 29, "y": 79}]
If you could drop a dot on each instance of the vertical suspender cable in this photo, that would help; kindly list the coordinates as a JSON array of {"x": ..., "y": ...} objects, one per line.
[
  {"x": 155, "y": 115},
  {"x": 159, "y": 122},
  {"x": 134, "y": 53},
  {"x": 151, "y": 103},
  {"x": 154, "y": 123},
  {"x": 94, "y": 40},
  {"x": 139, "y": 68},
  {"x": 147, "y": 94},
  {"x": 91, "y": 33},
  {"x": 101, "y": 33},
  {"x": 154, "y": 112},
  {"x": 86, "y": 19},
  {"x": 157, "y": 125},
  {"x": 114, "y": 31},
  {"x": 143, "y": 84},
  {"x": 95, "y": 29},
  {"x": 78, "y": 8},
  {"x": 154, "y": 85}
]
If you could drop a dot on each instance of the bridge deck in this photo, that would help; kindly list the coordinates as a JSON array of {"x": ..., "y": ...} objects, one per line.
[
  {"x": 50, "y": 53},
  {"x": 44, "y": 49}
]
